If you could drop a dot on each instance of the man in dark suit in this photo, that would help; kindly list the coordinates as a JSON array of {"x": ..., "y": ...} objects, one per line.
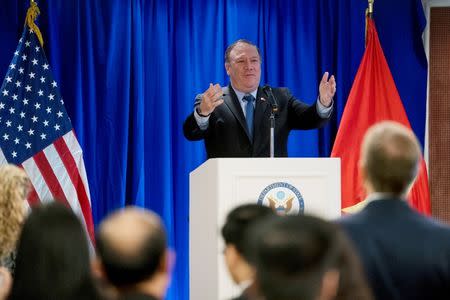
[
  {"x": 234, "y": 121},
  {"x": 237, "y": 222},
  {"x": 405, "y": 255},
  {"x": 133, "y": 254}
]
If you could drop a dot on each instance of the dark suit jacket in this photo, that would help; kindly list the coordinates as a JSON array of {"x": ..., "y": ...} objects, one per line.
[
  {"x": 405, "y": 255},
  {"x": 227, "y": 134}
]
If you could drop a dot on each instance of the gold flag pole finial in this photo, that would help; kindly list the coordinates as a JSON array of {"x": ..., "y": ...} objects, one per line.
[
  {"x": 369, "y": 13},
  {"x": 370, "y": 7},
  {"x": 32, "y": 14}
]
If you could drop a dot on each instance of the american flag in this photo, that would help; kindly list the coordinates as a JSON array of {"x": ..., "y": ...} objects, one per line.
[{"x": 37, "y": 135}]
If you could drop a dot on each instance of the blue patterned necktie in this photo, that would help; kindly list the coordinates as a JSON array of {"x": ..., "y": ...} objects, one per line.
[{"x": 249, "y": 110}]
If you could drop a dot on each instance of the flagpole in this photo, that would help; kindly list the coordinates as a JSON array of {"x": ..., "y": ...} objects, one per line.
[
  {"x": 32, "y": 14},
  {"x": 369, "y": 13},
  {"x": 370, "y": 9}
]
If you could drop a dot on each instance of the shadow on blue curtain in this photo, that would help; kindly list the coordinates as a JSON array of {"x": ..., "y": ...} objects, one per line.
[{"x": 129, "y": 70}]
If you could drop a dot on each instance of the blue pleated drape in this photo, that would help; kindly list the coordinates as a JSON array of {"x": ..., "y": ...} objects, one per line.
[{"x": 129, "y": 71}]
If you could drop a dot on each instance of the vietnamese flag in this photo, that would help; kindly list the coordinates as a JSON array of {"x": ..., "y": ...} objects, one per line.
[{"x": 372, "y": 99}]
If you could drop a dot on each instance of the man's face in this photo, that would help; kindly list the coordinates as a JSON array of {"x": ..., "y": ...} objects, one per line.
[
  {"x": 231, "y": 257},
  {"x": 244, "y": 67}
]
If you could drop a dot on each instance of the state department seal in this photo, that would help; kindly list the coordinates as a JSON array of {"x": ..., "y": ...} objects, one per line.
[{"x": 283, "y": 198}]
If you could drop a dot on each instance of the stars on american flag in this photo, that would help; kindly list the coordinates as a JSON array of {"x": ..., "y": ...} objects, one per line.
[{"x": 31, "y": 108}]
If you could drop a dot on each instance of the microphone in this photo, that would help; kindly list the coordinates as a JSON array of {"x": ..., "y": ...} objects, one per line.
[{"x": 273, "y": 101}]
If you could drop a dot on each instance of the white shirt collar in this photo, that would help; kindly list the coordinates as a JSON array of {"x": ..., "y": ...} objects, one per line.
[
  {"x": 243, "y": 285},
  {"x": 241, "y": 95}
]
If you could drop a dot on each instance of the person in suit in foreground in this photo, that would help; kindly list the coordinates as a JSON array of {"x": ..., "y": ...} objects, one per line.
[
  {"x": 237, "y": 222},
  {"x": 234, "y": 120},
  {"x": 133, "y": 254},
  {"x": 405, "y": 255}
]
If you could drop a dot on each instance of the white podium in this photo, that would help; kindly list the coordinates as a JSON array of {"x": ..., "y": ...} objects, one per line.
[{"x": 289, "y": 185}]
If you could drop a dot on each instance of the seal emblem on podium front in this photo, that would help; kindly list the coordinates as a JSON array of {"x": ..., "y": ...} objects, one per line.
[{"x": 283, "y": 198}]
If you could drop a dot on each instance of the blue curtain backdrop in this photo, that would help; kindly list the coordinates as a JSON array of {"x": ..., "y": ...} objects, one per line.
[{"x": 129, "y": 70}]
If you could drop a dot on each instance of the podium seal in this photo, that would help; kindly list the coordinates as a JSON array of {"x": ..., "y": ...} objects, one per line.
[{"x": 283, "y": 198}]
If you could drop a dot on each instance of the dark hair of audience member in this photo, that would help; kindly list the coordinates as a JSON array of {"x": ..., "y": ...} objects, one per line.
[
  {"x": 125, "y": 269},
  {"x": 352, "y": 280},
  {"x": 237, "y": 222},
  {"x": 53, "y": 257},
  {"x": 292, "y": 254}
]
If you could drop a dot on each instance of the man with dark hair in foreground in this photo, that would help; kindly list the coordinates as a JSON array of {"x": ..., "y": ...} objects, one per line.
[
  {"x": 237, "y": 222},
  {"x": 405, "y": 255},
  {"x": 133, "y": 254},
  {"x": 296, "y": 258}
]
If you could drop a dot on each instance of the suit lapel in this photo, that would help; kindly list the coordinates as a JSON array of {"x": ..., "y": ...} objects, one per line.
[
  {"x": 231, "y": 100},
  {"x": 262, "y": 105}
]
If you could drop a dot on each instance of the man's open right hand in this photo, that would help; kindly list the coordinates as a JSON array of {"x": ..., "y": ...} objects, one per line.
[{"x": 211, "y": 98}]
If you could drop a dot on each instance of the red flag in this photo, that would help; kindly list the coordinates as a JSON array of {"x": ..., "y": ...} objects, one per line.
[{"x": 373, "y": 98}]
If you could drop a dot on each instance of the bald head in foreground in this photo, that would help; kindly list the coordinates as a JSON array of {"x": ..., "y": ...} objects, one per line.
[
  {"x": 405, "y": 255},
  {"x": 132, "y": 248}
]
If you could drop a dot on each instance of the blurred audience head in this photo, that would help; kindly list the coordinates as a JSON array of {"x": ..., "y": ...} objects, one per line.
[
  {"x": 233, "y": 231},
  {"x": 53, "y": 257},
  {"x": 296, "y": 257},
  {"x": 14, "y": 186},
  {"x": 390, "y": 157},
  {"x": 352, "y": 280},
  {"x": 133, "y": 253}
]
